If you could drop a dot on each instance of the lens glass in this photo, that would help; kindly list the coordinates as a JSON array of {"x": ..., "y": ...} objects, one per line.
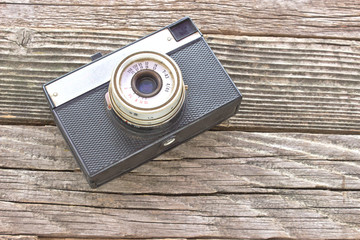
[{"x": 146, "y": 85}]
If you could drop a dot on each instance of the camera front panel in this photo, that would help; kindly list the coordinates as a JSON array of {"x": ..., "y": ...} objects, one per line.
[{"x": 104, "y": 150}]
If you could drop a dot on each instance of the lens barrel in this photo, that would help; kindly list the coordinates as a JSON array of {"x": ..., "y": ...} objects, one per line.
[{"x": 146, "y": 89}]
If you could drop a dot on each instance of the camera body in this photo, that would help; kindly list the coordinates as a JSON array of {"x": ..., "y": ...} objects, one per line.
[{"x": 104, "y": 144}]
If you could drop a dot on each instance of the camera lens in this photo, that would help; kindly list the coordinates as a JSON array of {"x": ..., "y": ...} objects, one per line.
[
  {"x": 146, "y": 83},
  {"x": 147, "y": 89}
]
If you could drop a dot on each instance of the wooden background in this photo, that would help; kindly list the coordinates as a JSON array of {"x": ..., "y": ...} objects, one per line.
[{"x": 286, "y": 166}]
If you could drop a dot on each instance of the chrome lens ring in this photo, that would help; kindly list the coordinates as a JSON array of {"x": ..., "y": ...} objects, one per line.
[{"x": 146, "y": 89}]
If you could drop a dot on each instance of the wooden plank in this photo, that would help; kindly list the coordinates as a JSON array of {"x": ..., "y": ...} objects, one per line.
[
  {"x": 218, "y": 185},
  {"x": 97, "y": 238},
  {"x": 227, "y": 216},
  {"x": 18, "y": 237},
  {"x": 289, "y": 84},
  {"x": 15, "y": 237},
  {"x": 309, "y": 160},
  {"x": 336, "y": 19}
]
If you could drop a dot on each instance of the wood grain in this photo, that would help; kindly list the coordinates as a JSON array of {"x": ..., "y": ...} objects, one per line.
[
  {"x": 18, "y": 237},
  {"x": 289, "y": 84},
  {"x": 297, "y": 65},
  {"x": 218, "y": 185},
  {"x": 331, "y": 18}
]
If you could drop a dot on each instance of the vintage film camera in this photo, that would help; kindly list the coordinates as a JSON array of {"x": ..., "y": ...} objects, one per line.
[{"x": 133, "y": 104}]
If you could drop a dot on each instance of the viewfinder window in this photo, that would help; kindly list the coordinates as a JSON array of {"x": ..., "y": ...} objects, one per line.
[{"x": 182, "y": 29}]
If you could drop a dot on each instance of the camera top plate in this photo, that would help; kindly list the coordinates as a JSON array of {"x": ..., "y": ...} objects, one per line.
[{"x": 98, "y": 72}]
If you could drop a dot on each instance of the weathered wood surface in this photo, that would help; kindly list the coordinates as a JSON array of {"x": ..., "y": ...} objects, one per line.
[
  {"x": 289, "y": 84},
  {"x": 221, "y": 184},
  {"x": 331, "y": 18},
  {"x": 21, "y": 237},
  {"x": 297, "y": 65}
]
